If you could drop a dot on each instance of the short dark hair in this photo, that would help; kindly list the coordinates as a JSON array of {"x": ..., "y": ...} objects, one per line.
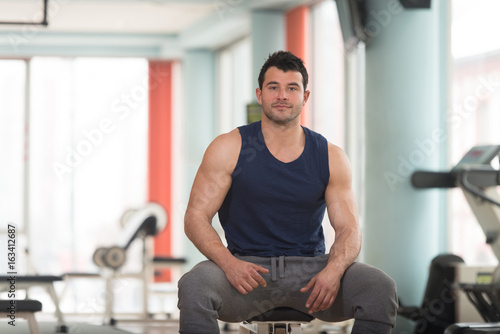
[{"x": 285, "y": 61}]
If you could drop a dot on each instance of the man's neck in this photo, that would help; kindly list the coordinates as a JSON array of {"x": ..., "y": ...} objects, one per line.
[{"x": 285, "y": 141}]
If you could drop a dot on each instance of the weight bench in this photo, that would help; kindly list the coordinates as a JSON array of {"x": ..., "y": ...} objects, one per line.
[
  {"x": 22, "y": 308},
  {"x": 280, "y": 320},
  {"x": 44, "y": 281},
  {"x": 141, "y": 224}
]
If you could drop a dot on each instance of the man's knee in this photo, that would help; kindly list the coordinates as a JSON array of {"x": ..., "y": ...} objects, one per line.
[
  {"x": 384, "y": 284},
  {"x": 375, "y": 293},
  {"x": 205, "y": 275},
  {"x": 203, "y": 282},
  {"x": 372, "y": 280},
  {"x": 199, "y": 298}
]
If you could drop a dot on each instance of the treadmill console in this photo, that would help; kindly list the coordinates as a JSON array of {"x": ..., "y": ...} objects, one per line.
[{"x": 478, "y": 156}]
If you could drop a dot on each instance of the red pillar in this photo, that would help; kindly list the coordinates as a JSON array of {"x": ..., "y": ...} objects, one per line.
[
  {"x": 160, "y": 151},
  {"x": 297, "y": 42}
]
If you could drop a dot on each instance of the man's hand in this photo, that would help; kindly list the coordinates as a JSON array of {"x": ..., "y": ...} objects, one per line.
[
  {"x": 325, "y": 286},
  {"x": 244, "y": 276}
]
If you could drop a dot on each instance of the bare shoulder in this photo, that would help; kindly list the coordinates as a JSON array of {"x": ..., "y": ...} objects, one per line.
[
  {"x": 224, "y": 150},
  {"x": 340, "y": 167}
]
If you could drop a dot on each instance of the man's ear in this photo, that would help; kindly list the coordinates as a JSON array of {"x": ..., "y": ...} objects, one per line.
[
  {"x": 258, "y": 94},
  {"x": 306, "y": 96}
]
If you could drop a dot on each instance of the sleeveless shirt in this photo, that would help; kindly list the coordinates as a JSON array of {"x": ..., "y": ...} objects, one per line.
[{"x": 274, "y": 208}]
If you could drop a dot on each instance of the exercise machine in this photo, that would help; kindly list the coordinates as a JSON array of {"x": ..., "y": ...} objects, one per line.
[
  {"x": 438, "y": 308},
  {"x": 140, "y": 224},
  {"x": 478, "y": 175}
]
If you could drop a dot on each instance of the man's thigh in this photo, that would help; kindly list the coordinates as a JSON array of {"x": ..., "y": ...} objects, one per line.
[
  {"x": 366, "y": 293},
  {"x": 206, "y": 286},
  {"x": 284, "y": 281},
  {"x": 282, "y": 289},
  {"x": 208, "y": 282}
]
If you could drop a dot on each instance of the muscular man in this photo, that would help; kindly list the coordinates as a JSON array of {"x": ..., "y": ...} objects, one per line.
[{"x": 270, "y": 182}]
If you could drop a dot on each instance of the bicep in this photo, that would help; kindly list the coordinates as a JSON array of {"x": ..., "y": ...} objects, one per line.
[
  {"x": 213, "y": 179},
  {"x": 209, "y": 189},
  {"x": 339, "y": 195}
]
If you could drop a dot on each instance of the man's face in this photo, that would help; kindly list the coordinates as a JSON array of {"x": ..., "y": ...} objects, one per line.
[{"x": 282, "y": 96}]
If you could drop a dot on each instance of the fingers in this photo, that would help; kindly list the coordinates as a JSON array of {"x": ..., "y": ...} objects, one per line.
[
  {"x": 260, "y": 280},
  {"x": 247, "y": 286},
  {"x": 321, "y": 303},
  {"x": 241, "y": 289},
  {"x": 321, "y": 297},
  {"x": 312, "y": 299},
  {"x": 261, "y": 269},
  {"x": 247, "y": 277},
  {"x": 308, "y": 287}
]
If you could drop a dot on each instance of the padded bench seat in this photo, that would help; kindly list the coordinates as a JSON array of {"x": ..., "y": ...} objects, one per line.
[
  {"x": 283, "y": 314},
  {"x": 22, "y": 305},
  {"x": 159, "y": 261},
  {"x": 24, "y": 308},
  {"x": 45, "y": 281}
]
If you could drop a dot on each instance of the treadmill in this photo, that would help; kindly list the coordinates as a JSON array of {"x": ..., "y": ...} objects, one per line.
[{"x": 478, "y": 178}]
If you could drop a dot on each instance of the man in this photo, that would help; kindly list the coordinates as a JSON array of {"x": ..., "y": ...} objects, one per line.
[{"x": 270, "y": 183}]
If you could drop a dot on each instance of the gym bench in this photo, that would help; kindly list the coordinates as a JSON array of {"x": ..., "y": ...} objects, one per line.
[
  {"x": 23, "y": 308},
  {"x": 44, "y": 281},
  {"x": 142, "y": 224},
  {"x": 280, "y": 320}
]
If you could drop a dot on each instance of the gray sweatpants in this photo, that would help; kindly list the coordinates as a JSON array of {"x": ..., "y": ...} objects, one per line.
[{"x": 366, "y": 294}]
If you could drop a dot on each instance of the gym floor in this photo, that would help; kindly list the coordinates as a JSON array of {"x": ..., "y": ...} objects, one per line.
[
  {"x": 78, "y": 324},
  {"x": 171, "y": 328}
]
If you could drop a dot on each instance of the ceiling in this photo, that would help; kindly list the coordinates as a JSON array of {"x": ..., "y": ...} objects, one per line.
[
  {"x": 156, "y": 29},
  {"x": 106, "y": 16},
  {"x": 127, "y": 16}
]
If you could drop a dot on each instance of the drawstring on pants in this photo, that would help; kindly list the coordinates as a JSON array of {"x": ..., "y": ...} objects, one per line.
[{"x": 277, "y": 268}]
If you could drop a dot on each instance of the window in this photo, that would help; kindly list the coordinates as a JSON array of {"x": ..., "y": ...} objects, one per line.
[
  {"x": 474, "y": 116},
  {"x": 88, "y": 134},
  {"x": 234, "y": 85},
  {"x": 12, "y": 150},
  {"x": 12, "y": 114},
  {"x": 327, "y": 102},
  {"x": 87, "y": 160},
  {"x": 327, "y": 67}
]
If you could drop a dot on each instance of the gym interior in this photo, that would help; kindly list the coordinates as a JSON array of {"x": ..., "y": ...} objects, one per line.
[{"x": 106, "y": 109}]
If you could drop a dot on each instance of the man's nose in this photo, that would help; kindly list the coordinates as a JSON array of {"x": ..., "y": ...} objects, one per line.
[{"x": 282, "y": 94}]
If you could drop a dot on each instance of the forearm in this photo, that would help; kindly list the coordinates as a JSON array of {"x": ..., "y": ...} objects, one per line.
[
  {"x": 345, "y": 249},
  {"x": 243, "y": 276},
  {"x": 202, "y": 234}
]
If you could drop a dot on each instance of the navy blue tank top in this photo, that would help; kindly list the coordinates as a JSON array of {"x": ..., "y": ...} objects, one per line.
[{"x": 275, "y": 208}]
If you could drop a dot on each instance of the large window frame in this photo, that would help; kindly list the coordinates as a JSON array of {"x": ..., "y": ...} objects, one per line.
[
  {"x": 59, "y": 93},
  {"x": 472, "y": 116}
]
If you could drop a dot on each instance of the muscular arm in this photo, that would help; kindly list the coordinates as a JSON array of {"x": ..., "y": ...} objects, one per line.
[
  {"x": 342, "y": 212},
  {"x": 210, "y": 187},
  {"x": 343, "y": 216}
]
